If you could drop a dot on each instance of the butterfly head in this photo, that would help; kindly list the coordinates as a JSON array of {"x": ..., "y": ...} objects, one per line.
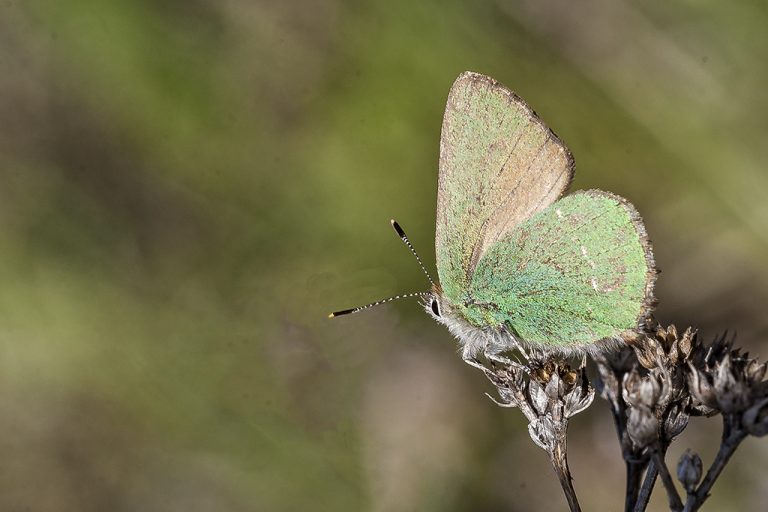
[
  {"x": 445, "y": 311},
  {"x": 434, "y": 303},
  {"x": 433, "y": 306},
  {"x": 437, "y": 305}
]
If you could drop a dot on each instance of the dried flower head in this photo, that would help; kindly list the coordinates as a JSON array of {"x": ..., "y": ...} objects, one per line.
[
  {"x": 547, "y": 391},
  {"x": 723, "y": 379},
  {"x": 642, "y": 426},
  {"x": 665, "y": 347},
  {"x": 612, "y": 367},
  {"x": 645, "y": 390}
]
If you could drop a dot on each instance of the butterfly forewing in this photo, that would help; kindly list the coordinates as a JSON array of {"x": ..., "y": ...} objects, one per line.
[
  {"x": 575, "y": 273},
  {"x": 499, "y": 164}
]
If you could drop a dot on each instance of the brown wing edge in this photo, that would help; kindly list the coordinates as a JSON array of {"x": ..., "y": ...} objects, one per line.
[
  {"x": 474, "y": 77},
  {"x": 650, "y": 301}
]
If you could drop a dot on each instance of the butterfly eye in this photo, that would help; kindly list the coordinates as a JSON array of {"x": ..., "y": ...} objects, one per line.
[{"x": 435, "y": 307}]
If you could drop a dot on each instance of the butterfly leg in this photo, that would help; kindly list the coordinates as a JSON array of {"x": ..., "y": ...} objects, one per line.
[
  {"x": 493, "y": 354},
  {"x": 501, "y": 404},
  {"x": 470, "y": 359}
]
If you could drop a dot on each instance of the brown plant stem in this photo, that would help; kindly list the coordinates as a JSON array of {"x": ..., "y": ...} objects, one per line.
[
  {"x": 733, "y": 435},
  {"x": 645, "y": 491},
  {"x": 635, "y": 469},
  {"x": 634, "y": 462},
  {"x": 559, "y": 460},
  {"x": 675, "y": 503}
]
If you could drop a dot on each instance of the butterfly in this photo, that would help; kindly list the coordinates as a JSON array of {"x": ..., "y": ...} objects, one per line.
[{"x": 519, "y": 263}]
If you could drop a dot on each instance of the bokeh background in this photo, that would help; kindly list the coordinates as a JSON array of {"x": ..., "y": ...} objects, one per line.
[{"x": 188, "y": 187}]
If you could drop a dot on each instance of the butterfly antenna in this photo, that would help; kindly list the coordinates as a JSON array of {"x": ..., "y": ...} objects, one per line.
[
  {"x": 383, "y": 301},
  {"x": 407, "y": 242}
]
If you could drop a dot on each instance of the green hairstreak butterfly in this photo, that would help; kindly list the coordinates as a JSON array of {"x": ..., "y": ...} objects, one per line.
[{"x": 519, "y": 264}]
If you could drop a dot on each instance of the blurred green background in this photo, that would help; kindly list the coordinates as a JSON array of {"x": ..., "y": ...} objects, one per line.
[{"x": 188, "y": 187}]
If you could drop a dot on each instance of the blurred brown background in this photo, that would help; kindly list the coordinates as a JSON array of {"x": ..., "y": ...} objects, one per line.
[{"x": 188, "y": 187}]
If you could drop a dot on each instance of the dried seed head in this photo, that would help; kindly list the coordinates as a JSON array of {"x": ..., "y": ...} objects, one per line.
[
  {"x": 580, "y": 397},
  {"x": 689, "y": 470},
  {"x": 665, "y": 347},
  {"x": 731, "y": 387},
  {"x": 630, "y": 385},
  {"x": 647, "y": 390},
  {"x": 543, "y": 431},
  {"x": 754, "y": 371},
  {"x": 702, "y": 391},
  {"x": 538, "y": 397},
  {"x": 547, "y": 391},
  {"x": 642, "y": 426},
  {"x": 555, "y": 388},
  {"x": 721, "y": 378},
  {"x": 675, "y": 422}
]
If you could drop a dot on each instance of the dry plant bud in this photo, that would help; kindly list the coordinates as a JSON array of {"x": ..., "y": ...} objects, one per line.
[
  {"x": 702, "y": 391},
  {"x": 642, "y": 426},
  {"x": 689, "y": 470},
  {"x": 731, "y": 388},
  {"x": 676, "y": 419}
]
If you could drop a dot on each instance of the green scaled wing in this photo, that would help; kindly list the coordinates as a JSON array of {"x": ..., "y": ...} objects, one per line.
[
  {"x": 575, "y": 273},
  {"x": 499, "y": 164}
]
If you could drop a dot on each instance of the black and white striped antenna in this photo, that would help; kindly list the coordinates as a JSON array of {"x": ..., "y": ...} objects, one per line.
[
  {"x": 407, "y": 242},
  {"x": 382, "y": 301}
]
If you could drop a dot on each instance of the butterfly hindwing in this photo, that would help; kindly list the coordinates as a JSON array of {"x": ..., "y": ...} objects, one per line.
[
  {"x": 499, "y": 164},
  {"x": 575, "y": 273}
]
